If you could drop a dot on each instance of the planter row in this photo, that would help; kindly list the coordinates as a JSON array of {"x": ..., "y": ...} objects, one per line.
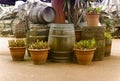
[
  {"x": 41, "y": 56},
  {"x": 61, "y": 40}
]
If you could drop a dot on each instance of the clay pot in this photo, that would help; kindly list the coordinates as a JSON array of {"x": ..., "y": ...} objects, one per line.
[
  {"x": 92, "y": 20},
  {"x": 17, "y": 53},
  {"x": 39, "y": 56}
]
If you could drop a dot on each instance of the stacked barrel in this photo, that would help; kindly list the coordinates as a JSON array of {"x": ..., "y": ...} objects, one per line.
[{"x": 40, "y": 17}]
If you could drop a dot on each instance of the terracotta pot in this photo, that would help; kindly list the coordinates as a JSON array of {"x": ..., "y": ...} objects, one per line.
[
  {"x": 84, "y": 57},
  {"x": 17, "y": 53},
  {"x": 92, "y": 20},
  {"x": 60, "y": 14},
  {"x": 39, "y": 56}
]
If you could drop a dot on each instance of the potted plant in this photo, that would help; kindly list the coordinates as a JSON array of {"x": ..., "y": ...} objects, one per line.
[
  {"x": 108, "y": 44},
  {"x": 84, "y": 51},
  {"x": 39, "y": 52},
  {"x": 17, "y": 49},
  {"x": 92, "y": 16}
]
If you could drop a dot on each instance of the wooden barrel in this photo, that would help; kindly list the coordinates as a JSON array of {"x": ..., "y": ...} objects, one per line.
[
  {"x": 98, "y": 34},
  {"x": 78, "y": 35},
  {"x": 38, "y": 32},
  {"x": 20, "y": 29},
  {"x": 108, "y": 44},
  {"x": 61, "y": 41},
  {"x": 42, "y": 14}
]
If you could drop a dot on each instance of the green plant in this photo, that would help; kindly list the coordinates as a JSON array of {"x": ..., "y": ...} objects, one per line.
[
  {"x": 107, "y": 35},
  {"x": 109, "y": 25},
  {"x": 74, "y": 10},
  {"x": 92, "y": 10},
  {"x": 39, "y": 45},
  {"x": 85, "y": 44},
  {"x": 16, "y": 43}
]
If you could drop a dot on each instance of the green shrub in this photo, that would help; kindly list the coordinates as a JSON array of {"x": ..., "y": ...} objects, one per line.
[
  {"x": 39, "y": 45},
  {"x": 92, "y": 10},
  {"x": 107, "y": 35},
  {"x": 16, "y": 43},
  {"x": 85, "y": 44}
]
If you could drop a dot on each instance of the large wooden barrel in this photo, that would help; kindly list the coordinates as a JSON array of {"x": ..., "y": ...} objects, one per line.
[
  {"x": 61, "y": 41},
  {"x": 98, "y": 34},
  {"x": 42, "y": 14}
]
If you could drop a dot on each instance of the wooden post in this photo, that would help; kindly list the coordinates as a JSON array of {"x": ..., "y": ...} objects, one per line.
[{"x": 60, "y": 14}]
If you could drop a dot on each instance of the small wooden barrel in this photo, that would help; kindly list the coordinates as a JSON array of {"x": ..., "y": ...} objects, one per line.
[
  {"x": 42, "y": 14},
  {"x": 78, "y": 35},
  {"x": 108, "y": 44},
  {"x": 38, "y": 32},
  {"x": 20, "y": 29}
]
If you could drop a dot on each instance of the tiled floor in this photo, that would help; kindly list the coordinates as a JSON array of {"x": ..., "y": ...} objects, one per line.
[{"x": 106, "y": 70}]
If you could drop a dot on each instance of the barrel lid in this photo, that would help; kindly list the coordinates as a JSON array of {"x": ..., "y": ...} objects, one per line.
[{"x": 48, "y": 14}]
